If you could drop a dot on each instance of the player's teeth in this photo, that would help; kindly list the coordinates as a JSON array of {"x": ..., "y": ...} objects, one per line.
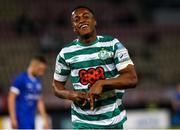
[{"x": 83, "y": 26}]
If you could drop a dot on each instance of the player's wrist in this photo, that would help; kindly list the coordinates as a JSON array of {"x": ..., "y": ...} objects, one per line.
[
  {"x": 66, "y": 94},
  {"x": 46, "y": 119},
  {"x": 103, "y": 82},
  {"x": 71, "y": 95}
]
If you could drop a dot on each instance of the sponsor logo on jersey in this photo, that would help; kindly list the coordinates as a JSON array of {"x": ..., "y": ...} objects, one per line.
[
  {"x": 122, "y": 55},
  {"x": 91, "y": 75}
]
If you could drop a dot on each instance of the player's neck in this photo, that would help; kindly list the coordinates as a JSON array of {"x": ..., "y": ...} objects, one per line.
[
  {"x": 88, "y": 38},
  {"x": 30, "y": 72}
]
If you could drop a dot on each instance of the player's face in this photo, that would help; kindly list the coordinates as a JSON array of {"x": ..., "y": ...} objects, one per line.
[
  {"x": 40, "y": 69},
  {"x": 83, "y": 22}
]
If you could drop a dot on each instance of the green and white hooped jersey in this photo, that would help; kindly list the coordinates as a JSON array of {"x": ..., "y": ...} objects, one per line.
[{"x": 86, "y": 64}]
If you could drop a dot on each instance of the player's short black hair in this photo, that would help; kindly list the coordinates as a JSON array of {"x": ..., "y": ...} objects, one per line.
[
  {"x": 82, "y": 6},
  {"x": 40, "y": 58}
]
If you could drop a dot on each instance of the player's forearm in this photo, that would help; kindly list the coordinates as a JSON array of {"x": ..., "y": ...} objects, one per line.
[
  {"x": 60, "y": 91},
  {"x": 11, "y": 106},
  {"x": 12, "y": 112},
  {"x": 127, "y": 79},
  {"x": 64, "y": 94},
  {"x": 121, "y": 82},
  {"x": 42, "y": 110}
]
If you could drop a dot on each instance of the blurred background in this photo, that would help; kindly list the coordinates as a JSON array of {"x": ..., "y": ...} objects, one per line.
[{"x": 150, "y": 29}]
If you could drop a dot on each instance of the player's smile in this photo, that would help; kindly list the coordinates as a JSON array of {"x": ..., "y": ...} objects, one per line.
[{"x": 83, "y": 26}]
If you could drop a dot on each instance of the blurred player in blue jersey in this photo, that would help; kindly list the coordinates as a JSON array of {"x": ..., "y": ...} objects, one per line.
[{"x": 25, "y": 96}]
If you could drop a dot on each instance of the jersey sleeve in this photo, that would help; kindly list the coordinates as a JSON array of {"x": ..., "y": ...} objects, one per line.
[
  {"x": 17, "y": 85},
  {"x": 121, "y": 56},
  {"x": 62, "y": 69}
]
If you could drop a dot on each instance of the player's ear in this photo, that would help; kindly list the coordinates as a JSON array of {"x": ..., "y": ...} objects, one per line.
[
  {"x": 95, "y": 23},
  {"x": 74, "y": 29}
]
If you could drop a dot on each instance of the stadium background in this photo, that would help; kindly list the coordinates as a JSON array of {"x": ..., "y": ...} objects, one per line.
[{"x": 150, "y": 29}]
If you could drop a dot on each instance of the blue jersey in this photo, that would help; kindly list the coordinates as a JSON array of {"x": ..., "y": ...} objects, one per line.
[{"x": 28, "y": 90}]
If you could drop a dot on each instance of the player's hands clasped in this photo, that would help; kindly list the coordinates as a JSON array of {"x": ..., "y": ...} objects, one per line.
[
  {"x": 95, "y": 92},
  {"x": 78, "y": 97},
  {"x": 81, "y": 98}
]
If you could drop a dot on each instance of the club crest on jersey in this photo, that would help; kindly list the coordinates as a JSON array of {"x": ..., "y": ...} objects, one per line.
[{"x": 104, "y": 54}]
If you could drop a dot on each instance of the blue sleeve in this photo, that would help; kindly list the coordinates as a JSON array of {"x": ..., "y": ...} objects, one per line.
[{"x": 17, "y": 84}]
